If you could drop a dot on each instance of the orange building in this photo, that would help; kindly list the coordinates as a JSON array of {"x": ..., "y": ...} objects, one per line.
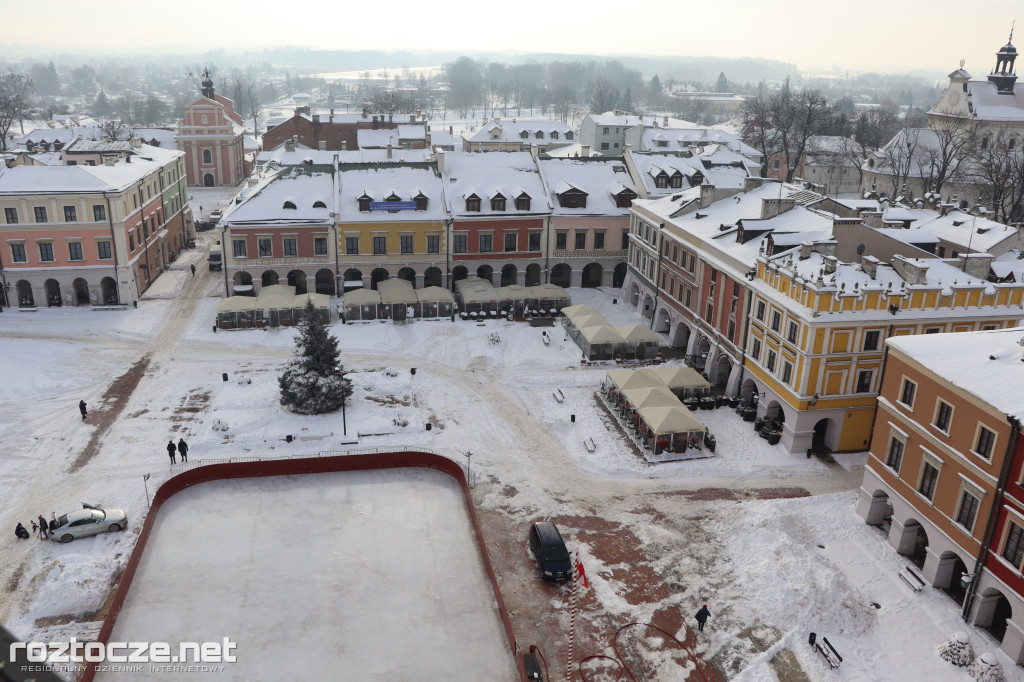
[{"x": 211, "y": 135}]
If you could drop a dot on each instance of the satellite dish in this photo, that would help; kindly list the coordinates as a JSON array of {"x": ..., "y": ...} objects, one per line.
[{"x": 860, "y": 249}]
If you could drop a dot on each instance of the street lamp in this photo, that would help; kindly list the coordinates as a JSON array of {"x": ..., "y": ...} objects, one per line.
[{"x": 7, "y": 288}]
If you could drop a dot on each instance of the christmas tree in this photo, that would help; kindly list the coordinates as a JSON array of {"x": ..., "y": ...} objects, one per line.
[{"x": 313, "y": 382}]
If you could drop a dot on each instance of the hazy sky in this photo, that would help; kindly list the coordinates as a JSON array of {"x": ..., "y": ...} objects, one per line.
[{"x": 855, "y": 35}]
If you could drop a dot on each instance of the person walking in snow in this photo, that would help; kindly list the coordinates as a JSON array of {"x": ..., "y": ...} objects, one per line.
[
  {"x": 42, "y": 528},
  {"x": 183, "y": 449},
  {"x": 82, "y": 409},
  {"x": 193, "y": 269},
  {"x": 21, "y": 533},
  {"x": 171, "y": 449},
  {"x": 702, "y": 616}
]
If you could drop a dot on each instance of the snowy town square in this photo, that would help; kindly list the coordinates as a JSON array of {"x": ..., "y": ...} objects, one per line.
[{"x": 379, "y": 574}]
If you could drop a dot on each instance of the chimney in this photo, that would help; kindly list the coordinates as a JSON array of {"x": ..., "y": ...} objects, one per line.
[
  {"x": 753, "y": 182},
  {"x": 364, "y": 112},
  {"x": 376, "y": 123},
  {"x": 830, "y": 264},
  {"x": 976, "y": 264},
  {"x": 869, "y": 264},
  {"x": 665, "y": 121},
  {"x": 390, "y": 119},
  {"x": 451, "y": 130},
  {"x": 585, "y": 150},
  {"x": 322, "y": 145},
  {"x": 773, "y": 207},
  {"x": 912, "y": 271},
  {"x": 316, "y": 119},
  {"x": 109, "y": 160},
  {"x": 389, "y": 149},
  {"x": 707, "y": 195},
  {"x": 872, "y": 219},
  {"x": 412, "y": 118},
  {"x": 289, "y": 145}
]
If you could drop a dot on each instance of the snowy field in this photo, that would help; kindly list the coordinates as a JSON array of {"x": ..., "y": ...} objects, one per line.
[
  {"x": 702, "y": 531},
  {"x": 345, "y": 563}
]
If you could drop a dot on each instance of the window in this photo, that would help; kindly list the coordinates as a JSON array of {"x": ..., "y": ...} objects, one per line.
[
  {"x": 907, "y": 394},
  {"x": 290, "y": 205},
  {"x": 554, "y": 134},
  {"x": 984, "y": 143},
  {"x": 625, "y": 241},
  {"x": 364, "y": 204},
  {"x": 677, "y": 180},
  {"x": 605, "y": 131},
  {"x": 894, "y": 457},
  {"x": 18, "y": 253},
  {"x": 604, "y": 146},
  {"x": 473, "y": 205},
  {"x": 760, "y": 310},
  {"x": 319, "y": 246},
  {"x": 131, "y": 241},
  {"x": 561, "y": 240},
  {"x": 319, "y": 204},
  {"x": 498, "y": 203},
  {"x": 787, "y": 372},
  {"x": 405, "y": 243},
  {"x": 688, "y": 292},
  {"x": 485, "y": 243},
  {"x": 777, "y": 164},
  {"x": 46, "y": 252},
  {"x": 732, "y": 330},
  {"x": 421, "y": 203},
  {"x": 791, "y": 334},
  {"x": 581, "y": 240},
  {"x": 968, "y": 510},
  {"x": 776, "y": 320},
  {"x": 103, "y": 248},
  {"x": 871, "y": 340},
  {"x": 929, "y": 479},
  {"x": 433, "y": 243},
  {"x": 934, "y": 330},
  {"x": 207, "y": 156},
  {"x": 380, "y": 246},
  {"x": 599, "y": 241},
  {"x": 770, "y": 363},
  {"x": 266, "y": 248},
  {"x": 70, "y": 214},
  {"x": 986, "y": 442},
  {"x": 40, "y": 213},
  {"x": 522, "y": 203},
  {"x": 460, "y": 243},
  {"x": 539, "y": 135},
  {"x": 238, "y": 248},
  {"x": 352, "y": 246},
  {"x": 510, "y": 242},
  {"x": 661, "y": 180},
  {"x": 290, "y": 246},
  {"x": 11, "y": 216},
  {"x": 1013, "y": 550},
  {"x": 534, "y": 241},
  {"x": 864, "y": 381},
  {"x": 99, "y": 213},
  {"x": 943, "y": 417},
  {"x": 75, "y": 251}
]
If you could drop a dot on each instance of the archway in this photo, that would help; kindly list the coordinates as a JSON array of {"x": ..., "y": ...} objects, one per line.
[
  {"x": 25, "y": 298},
  {"x": 353, "y": 279},
  {"x": 723, "y": 368},
  {"x": 775, "y": 412},
  {"x": 919, "y": 553},
  {"x": 459, "y": 272},
  {"x": 699, "y": 359},
  {"x": 879, "y": 511},
  {"x": 994, "y": 610},
  {"x": 108, "y": 288},
  {"x": 663, "y": 322},
  {"x": 634, "y": 294},
  {"x": 242, "y": 278},
  {"x": 619, "y": 275},
  {"x": 485, "y": 272},
  {"x": 824, "y": 432},
  {"x": 532, "y": 275},
  {"x": 648, "y": 306},
  {"x": 81, "y": 288},
  {"x": 53, "y": 293},
  {"x": 409, "y": 275},
  {"x": 208, "y": 180},
  {"x": 561, "y": 276},
  {"x": 269, "y": 278},
  {"x": 297, "y": 279},
  {"x": 378, "y": 275},
  {"x": 681, "y": 337},
  {"x": 509, "y": 275},
  {"x": 325, "y": 282},
  {"x": 749, "y": 393},
  {"x": 951, "y": 572},
  {"x": 593, "y": 276},
  {"x": 432, "y": 277},
  {"x": 242, "y": 284}
]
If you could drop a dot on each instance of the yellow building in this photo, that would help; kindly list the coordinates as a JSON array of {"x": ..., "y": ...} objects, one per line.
[{"x": 815, "y": 349}]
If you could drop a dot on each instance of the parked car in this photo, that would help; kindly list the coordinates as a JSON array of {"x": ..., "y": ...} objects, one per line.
[
  {"x": 549, "y": 550},
  {"x": 85, "y": 522},
  {"x": 215, "y": 259},
  {"x": 215, "y": 215}
]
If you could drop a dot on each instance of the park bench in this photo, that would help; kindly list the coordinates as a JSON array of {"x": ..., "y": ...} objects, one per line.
[
  {"x": 826, "y": 649},
  {"x": 559, "y": 396},
  {"x": 912, "y": 579},
  {"x": 589, "y": 444}
]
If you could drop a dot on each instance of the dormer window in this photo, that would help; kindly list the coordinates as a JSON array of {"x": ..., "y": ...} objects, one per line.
[
  {"x": 524, "y": 135},
  {"x": 676, "y": 180},
  {"x": 364, "y": 204},
  {"x": 662, "y": 143},
  {"x": 473, "y": 204},
  {"x": 572, "y": 198},
  {"x": 319, "y": 204},
  {"x": 554, "y": 134},
  {"x": 523, "y": 202},
  {"x": 497, "y": 203},
  {"x": 568, "y": 135},
  {"x": 539, "y": 135},
  {"x": 661, "y": 180},
  {"x": 289, "y": 204},
  {"x": 393, "y": 198},
  {"x": 421, "y": 202},
  {"x": 624, "y": 199}
]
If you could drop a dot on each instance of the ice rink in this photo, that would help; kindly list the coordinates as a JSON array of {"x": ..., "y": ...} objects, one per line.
[{"x": 352, "y": 575}]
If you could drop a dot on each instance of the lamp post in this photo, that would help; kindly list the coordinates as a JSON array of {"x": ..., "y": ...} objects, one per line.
[
  {"x": 469, "y": 470},
  {"x": 7, "y": 288},
  {"x": 344, "y": 399}
]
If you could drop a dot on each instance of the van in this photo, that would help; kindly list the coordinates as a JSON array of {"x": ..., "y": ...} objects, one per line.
[
  {"x": 215, "y": 259},
  {"x": 549, "y": 550}
]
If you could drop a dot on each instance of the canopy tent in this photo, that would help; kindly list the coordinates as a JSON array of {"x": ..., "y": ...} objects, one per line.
[
  {"x": 642, "y": 343},
  {"x": 595, "y": 320},
  {"x": 575, "y": 310},
  {"x": 513, "y": 299},
  {"x": 623, "y": 379},
  {"x": 599, "y": 342},
  {"x": 434, "y": 302},
  {"x": 236, "y": 312},
  {"x": 274, "y": 305},
  {"x": 671, "y": 428},
  {"x": 650, "y": 396},
  {"x": 476, "y": 297},
  {"x": 361, "y": 304},
  {"x": 321, "y": 304},
  {"x": 684, "y": 381},
  {"x": 397, "y": 298},
  {"x": 549, "y": 299}
]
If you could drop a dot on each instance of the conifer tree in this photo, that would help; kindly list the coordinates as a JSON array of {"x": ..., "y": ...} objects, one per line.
[{"x": 312, "y": 381}]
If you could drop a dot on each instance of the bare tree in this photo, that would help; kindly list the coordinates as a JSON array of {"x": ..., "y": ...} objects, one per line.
[
  {"x": 942, "y": 160},
  {"x": 246, "y": 94},
  {"x": 870, "y": 132},
  {"x": 114, "y": 130},
  {"x": 603, "y": 95},
  {"x": 1000, "y": 171},
  {"x": 14, "y": 91},
  {"x": 759, "y": 131},
  {"x": 898, "y": 158}
]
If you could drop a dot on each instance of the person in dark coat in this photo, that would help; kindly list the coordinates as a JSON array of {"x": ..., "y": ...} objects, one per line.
[
  {"x": 702, "y": 616},
  {"x": 82, "y": 409},
  {"x": 171, "y": 449},
  {"x": 42, "y": 528},
  {"x": 21, "y": 533},
  {"x": 183, "y": 449},
  {"x": 193, "y": 269}
]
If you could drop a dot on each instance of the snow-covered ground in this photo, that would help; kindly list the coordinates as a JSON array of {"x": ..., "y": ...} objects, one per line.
[{"x": 156, "y": 373}]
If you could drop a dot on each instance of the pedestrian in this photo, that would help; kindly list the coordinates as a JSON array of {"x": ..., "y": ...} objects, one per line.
[
  {"x": 21, "y": 533},
  {"x": 183, "y": 449},
  {"x": 42, "y": 528},
  {"x": 193, "y": 269},
  {"x": 35, "y": 527},
  {"x": 82, "y": 409},
  {"x": 702, "y": 616},
  {"x": 171, "y": 449}
]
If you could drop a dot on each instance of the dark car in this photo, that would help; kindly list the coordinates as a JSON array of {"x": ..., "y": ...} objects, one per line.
[{"x": 549, "y": 549}]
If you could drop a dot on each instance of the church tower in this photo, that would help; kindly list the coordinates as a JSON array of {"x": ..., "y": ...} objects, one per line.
[
  {"x": 207, "y": 88},
  {"x": 1003, "y": 75}
]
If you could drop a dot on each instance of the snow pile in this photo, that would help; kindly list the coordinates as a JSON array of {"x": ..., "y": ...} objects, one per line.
[
  {"x": 73, "y": 584},
  {"x": 957, "y": 650},
  {"x": 986, "y": 669}
]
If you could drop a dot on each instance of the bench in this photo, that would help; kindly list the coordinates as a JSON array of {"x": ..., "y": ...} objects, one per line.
[
  {"x": 826, "y": 649},
  {"x": 912, "y": 579},
  {"x": 589, "y": 444},
  {"x": 559, "y": 396},
  {"x": 27, "y": 310},
  {"x": 545, "y": 337}
]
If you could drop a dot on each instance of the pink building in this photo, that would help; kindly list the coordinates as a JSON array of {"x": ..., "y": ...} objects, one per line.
[{"x": 211, "y": 135}]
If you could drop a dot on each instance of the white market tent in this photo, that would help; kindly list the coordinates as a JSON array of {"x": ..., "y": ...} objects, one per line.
[
  {"x": 361, "y": 304},
  {"x": 274, "y": 305},
  {"x": 476, "y": 297},
  {"x": 434, "y": 302},
  {"x": 397, "y": 298},
  {"x": 642, "y": 343},
  {"x": 683, "y": 381},
  {"x": 236, "y": 312},
  {"x": 321, "y": 302},
  {"x": 599, "y": 342}
]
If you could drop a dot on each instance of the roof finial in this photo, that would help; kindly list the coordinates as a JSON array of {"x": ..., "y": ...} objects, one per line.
[{"x": 1012, "y": 24}]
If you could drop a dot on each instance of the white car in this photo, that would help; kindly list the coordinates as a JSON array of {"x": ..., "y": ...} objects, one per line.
[{"x": 88, "y": 521}]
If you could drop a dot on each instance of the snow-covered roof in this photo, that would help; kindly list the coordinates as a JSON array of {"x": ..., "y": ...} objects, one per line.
[
  {"x": 512, "y": 174},
  {"x": 377, "y": 139},
  {"x": 602, "y": 179},
  {"x": 380, "y": 182},
  {"x": 164, "y": 137},
  {"x": 678, "y": 139},
  {"x": 988, "y": 364},
  {"x": 612, "y": 119},
  {"x": 293, "y": 195},
  {"x": 58, "y": 179},
  {"x": 988, "y": 104},
  {"x": 1009, "y": 265},
  {"x": 963, "y": 229},
  {"x": 512, "y": 131},
  {"x": 651, "y": 164}
]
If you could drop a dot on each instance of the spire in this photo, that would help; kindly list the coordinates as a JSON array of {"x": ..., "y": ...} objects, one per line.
[
  {"x": 207, "y": 88},
  {"x": 1003, "y": 75}
]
